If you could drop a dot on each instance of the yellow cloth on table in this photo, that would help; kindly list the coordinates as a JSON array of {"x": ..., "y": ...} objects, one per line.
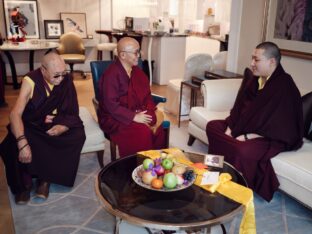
[{"x": 225, "y": 186}]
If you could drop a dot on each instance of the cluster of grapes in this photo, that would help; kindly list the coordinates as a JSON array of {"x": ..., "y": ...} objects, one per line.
[{"x": 189, "y": 175}]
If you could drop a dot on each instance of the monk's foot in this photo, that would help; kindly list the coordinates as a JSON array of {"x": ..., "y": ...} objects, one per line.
[
  {"x": 22, "y": 198},
  {"x": 42, "y": 190}
]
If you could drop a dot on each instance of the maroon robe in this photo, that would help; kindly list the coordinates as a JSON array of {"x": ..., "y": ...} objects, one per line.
[
  {"x": 274, "y": 112},
  {"x": 55, "y": 159},
  {"x": 120, "y": 98},
  {"x": 2, "y": 74}
]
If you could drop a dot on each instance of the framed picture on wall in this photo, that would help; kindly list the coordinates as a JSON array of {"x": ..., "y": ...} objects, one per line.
[
  {"x": 289, "y": 26},
  {"x": 75, "y": 22},
  {"x": 53, "y": 29},
  {"x": 21, "y": 18}
]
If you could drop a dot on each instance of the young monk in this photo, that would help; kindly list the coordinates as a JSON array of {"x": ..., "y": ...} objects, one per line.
[{"x": 266, "y": 119}]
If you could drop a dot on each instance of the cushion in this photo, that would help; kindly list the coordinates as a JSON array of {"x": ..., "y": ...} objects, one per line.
[
  {"x": 94, "y": 135},
  {"x": 307, "y": 115}
]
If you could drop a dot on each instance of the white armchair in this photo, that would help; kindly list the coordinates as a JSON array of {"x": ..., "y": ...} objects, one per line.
[
  {"x": 195, "y": 65},
  {"x": 219, "y": 96}
]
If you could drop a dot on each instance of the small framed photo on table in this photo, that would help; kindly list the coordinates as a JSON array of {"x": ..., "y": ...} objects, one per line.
[{"x": 53, "y": 29}]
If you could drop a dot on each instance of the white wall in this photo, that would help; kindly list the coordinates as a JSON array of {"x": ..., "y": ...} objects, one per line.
[{"x": 246, "y": 30}]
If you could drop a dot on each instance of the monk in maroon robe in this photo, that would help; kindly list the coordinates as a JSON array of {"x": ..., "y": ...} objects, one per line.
[
  {"x": 45, "y": 134},
  {"x": 126, "y": 109},
  {"x": 266, "y": 119}
]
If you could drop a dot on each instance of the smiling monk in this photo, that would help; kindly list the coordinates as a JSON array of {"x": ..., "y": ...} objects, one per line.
[
  {"x": 45, "y": 134},
  {"x": 126, "y": 109}
]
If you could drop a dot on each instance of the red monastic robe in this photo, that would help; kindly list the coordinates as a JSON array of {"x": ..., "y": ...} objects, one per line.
[
  {"x": 274, "y": 112},
  {"x": 120, "y": 98}
]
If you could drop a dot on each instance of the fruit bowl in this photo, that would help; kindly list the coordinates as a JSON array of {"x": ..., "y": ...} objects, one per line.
[{"x": 138, "y": 180}]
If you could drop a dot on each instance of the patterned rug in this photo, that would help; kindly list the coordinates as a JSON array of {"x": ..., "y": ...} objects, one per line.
[{"x": 77, "y": 210}]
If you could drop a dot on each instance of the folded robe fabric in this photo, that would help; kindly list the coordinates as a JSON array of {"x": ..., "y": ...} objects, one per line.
[{"x": 225, "y": 186}]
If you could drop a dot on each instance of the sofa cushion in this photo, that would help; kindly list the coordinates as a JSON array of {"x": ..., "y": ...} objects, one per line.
[
  {"x": 295, "y": 167},
  {"x": 307, "y": 114},
  {"x": 200, "y": 116},
  {"x": 94, "y": 135}
]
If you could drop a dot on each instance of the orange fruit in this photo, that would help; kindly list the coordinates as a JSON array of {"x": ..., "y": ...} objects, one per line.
[{"x": 157, "y": 183}]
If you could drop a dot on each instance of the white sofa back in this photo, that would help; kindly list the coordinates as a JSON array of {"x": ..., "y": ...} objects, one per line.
[{"x": 214, "y": 100}]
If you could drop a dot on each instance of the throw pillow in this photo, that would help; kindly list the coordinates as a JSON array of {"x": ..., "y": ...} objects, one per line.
[{"x": 307, "y": 115}]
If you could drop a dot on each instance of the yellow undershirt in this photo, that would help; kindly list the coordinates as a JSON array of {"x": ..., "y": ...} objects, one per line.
[
  {"x": 262, "y": 81},
  {"x": 32, "y": 84}
]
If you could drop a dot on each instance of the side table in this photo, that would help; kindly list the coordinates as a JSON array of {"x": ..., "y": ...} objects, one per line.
[{"x": 193, "y": 99}]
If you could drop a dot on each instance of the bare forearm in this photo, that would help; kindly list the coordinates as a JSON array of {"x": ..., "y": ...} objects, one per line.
[{"x": 17, "y": 126}]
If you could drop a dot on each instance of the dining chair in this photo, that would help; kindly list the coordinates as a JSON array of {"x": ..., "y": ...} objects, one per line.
[
  {"x": 97, "y": 69},
  {"x": 72, "y": 50}
]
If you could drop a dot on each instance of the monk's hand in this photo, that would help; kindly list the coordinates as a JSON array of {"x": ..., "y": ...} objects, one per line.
[
  {"x": 228, "y": 131},
  {"x": 241, "y": 138},
  {"x": 24, "y": 155},
  {"x": 49, "y": 118},
  {"x": 57, "y": 130},
  {"x": 142, "y": 117}
]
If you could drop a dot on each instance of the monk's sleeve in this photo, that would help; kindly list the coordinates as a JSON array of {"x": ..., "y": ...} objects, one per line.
[
  {"x": 68, "y": 112},
  {"x": 111, "y": 100},
  {"x": 148, "y": 103}
]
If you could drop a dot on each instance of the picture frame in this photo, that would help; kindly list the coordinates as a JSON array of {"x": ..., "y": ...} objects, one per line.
[
  {"x": 74, "y": 22},
  {"x": 21, "y": 18},
  {"x": 53, "y": 29},
  {"x": 277, "y": 29}
]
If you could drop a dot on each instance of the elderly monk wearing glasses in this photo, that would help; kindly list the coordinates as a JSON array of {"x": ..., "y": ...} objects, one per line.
[
  {"x": 126, "y": 109},
  {"x": 45, "y": 134}
]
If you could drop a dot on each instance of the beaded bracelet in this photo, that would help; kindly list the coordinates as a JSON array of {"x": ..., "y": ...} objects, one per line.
[
  {"x": 20, "y": 138},
  {"x": 23, "y": 147}
]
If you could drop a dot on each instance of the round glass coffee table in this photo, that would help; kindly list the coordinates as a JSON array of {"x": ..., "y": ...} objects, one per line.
[{"x": 188, "y": 209}]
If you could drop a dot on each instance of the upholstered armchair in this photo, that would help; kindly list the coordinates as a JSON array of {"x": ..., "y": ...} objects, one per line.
[
  {"x": 97, "y": 69},
  {"x": 219, "y": 96},
  {"x": 195, "y": 65},
  {"x": 72, "y": 50}
]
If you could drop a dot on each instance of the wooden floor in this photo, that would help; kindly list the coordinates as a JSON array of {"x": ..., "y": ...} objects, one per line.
[{"x": 85, "y": 93}]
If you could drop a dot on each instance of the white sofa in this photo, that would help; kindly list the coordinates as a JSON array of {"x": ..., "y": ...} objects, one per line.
[{"x": 293, "y": 168}]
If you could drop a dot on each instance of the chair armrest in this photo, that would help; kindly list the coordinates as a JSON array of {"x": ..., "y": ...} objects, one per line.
[
  {"x": 157, "y": 99},
  {"x": 220, "y": 94}
]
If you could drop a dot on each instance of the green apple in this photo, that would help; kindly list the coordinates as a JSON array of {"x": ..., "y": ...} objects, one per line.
[
  {"x": 170, "y": 180},
  {"x": 167, "y": 163},
  {"x": 147, "y": 162}
]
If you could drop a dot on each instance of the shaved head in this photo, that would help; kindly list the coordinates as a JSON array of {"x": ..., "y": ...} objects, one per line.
[
  {"x": 126, "y": 44},
  {"x": 52, "y": 60},
  {"x": 128, "y": 52}
]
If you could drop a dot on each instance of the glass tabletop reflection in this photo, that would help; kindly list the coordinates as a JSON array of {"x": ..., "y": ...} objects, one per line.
[{"x": 188, "y": 208}]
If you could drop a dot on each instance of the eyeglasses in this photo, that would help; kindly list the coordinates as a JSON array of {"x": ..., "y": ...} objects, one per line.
[
  {"x": 136, "y": 52},
  {"x": 57, "y": 74}
]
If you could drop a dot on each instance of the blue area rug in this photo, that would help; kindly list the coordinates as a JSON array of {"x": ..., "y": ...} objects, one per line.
[{"x": 77, "y": 210}]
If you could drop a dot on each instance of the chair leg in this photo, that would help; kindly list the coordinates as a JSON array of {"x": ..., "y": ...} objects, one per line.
[
  {"x": 71, "y": 66},
  {"x": 191, "y": 140},
  {"x": 113, "y": 147},
  {"x": 100, "y": 156},
  {"x": 99, "y": 55}
]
